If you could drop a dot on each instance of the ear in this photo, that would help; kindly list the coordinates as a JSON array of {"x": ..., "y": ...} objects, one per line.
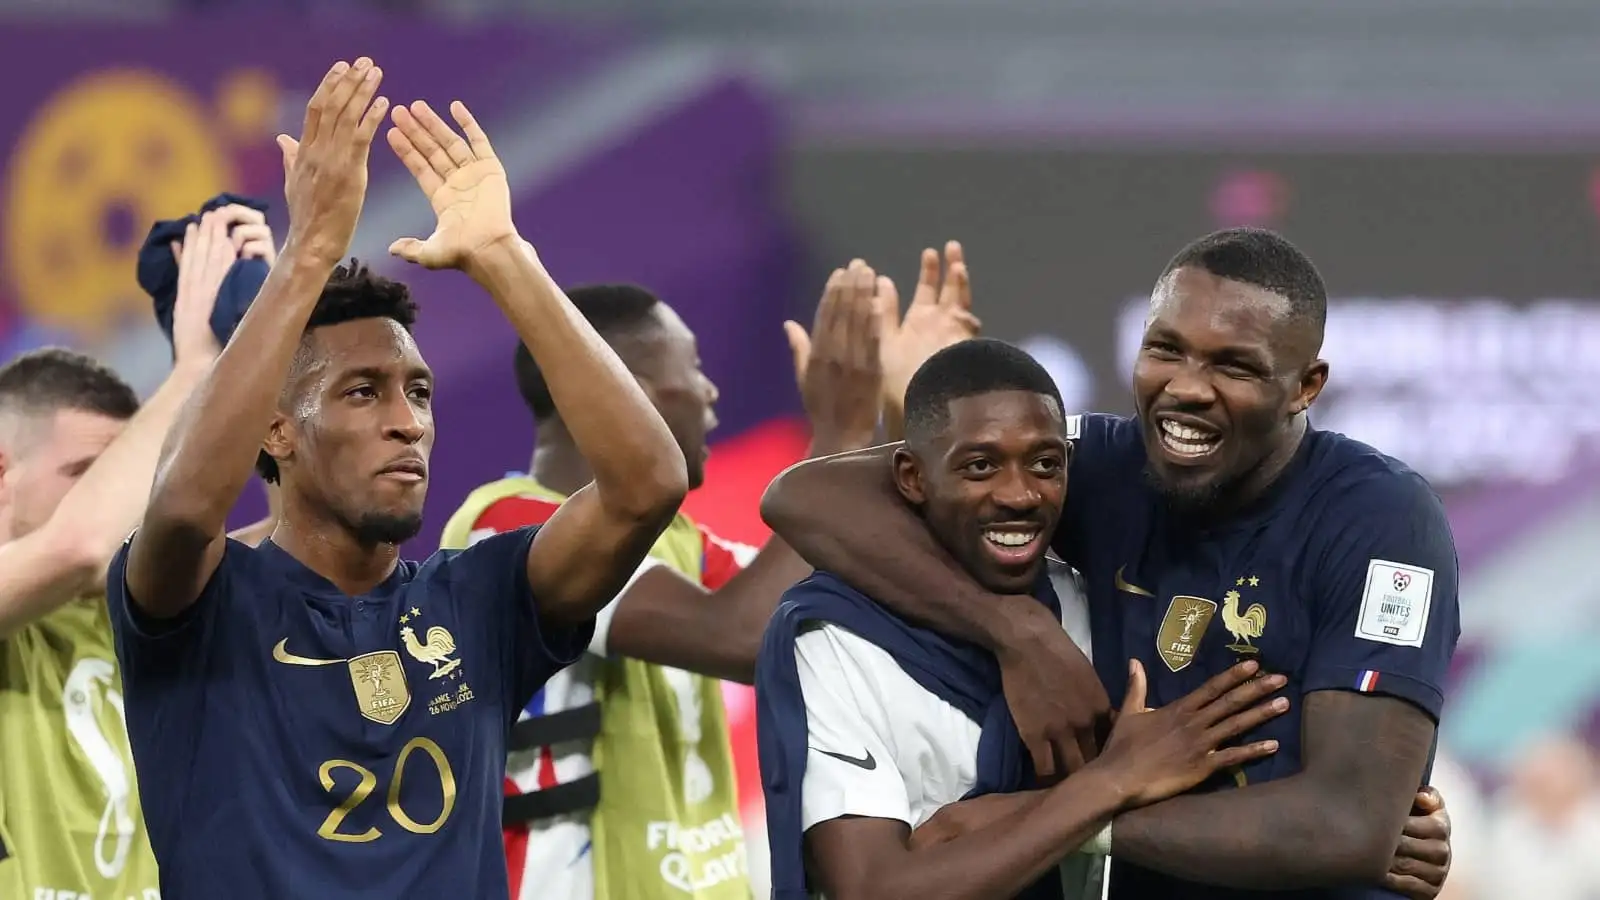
[
  {"x": 1312, "y": 380},
  {"x": 908, "y": 476},
  {"x": 279, "y": 442}
]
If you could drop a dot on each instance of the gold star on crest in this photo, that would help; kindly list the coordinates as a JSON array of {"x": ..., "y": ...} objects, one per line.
[
  {"x": 404, "y": 619},
  {"x": 1254, "y": 581},
  {"x": 415, "y": 612},
  {"x": 1239, "y": 583}
]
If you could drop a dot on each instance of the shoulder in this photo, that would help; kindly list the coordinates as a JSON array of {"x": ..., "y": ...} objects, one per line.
[
  {"x": 1354, "y": 482},
  {"x": 1102, "y": 439},
  {"x": 499, "y": 506},
  {"x": 833, "y": 655}
]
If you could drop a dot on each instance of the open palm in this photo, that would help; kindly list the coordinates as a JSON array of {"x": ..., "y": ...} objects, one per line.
[{"x": 462, "y": 179}]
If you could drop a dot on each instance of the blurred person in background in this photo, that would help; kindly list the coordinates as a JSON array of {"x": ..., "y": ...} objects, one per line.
[
  {"x": 1543, "y": 837},
  {"x": 77, "y": 456},
  {"x": 642, "y": 714}
]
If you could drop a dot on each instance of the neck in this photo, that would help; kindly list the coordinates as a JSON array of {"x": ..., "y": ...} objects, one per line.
[
  {"x": 556, "y": 462},
  {"x": 330, "y": 550}
]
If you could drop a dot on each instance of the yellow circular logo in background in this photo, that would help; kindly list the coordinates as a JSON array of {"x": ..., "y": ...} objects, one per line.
[{"x": 98, "y": 163}]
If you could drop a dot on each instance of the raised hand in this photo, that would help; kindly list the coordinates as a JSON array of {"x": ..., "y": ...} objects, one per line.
[
  {"x": 1422, "y": 860},
  {"x": 463, "y": 181},
  {"x": 940, "y": 315},
  {"x": 204, "y": 257},
  {"x": 325, "y": 172},
  {"x": 837, "y": 365},
  {"x": 1156, "y": 754}
]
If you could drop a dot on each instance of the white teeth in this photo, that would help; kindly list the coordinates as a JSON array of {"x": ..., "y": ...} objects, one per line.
[
  {"x": 1186, "y": 441},
  {"x": 1011, "y": 538}
]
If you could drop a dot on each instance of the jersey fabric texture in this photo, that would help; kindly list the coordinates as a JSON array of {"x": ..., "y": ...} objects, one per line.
[
  {"x": 302, "y": 742},
  {"x": 70, "y": 822},
  {"x": 1343, "y": 576},
  {"x": 667, "y": 822}
]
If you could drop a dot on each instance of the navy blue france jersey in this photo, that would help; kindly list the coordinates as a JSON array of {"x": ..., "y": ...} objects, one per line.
[
  {"x": 293, "y": 741},
  {"x": 1343, "y": 577}
]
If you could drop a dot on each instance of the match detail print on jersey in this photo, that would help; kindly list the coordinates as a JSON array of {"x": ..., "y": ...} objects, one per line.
[{"x": 1394, "y": 605}]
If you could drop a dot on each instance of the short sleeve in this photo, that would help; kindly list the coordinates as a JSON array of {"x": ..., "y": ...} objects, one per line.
[
  {"x": 495, "y": 568},
  {"x": 1384, "y": 587},
  {"x": 850, "y": 769},
  {"x": 147, "y": 643},
  {"x": 1100, "y": 449}
]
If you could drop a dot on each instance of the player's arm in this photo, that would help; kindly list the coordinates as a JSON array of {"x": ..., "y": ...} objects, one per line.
[
  {"x": 253, "y": 534},
  {"x": 670, "y": 620},
  {"x": 843, "y": 513},
  {"x": 590, "y": 547},
  {"x": 67, "y": 556},
  {"x": 1151, "y": 755},
  {"x": 1372, "y": 703},
  {"x": 210, "y": 453}
]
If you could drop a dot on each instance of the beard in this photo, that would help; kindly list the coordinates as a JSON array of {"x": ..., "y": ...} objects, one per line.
[
  {"x": 1194, "y": 499},
  {"x": 386, "y": 528}
]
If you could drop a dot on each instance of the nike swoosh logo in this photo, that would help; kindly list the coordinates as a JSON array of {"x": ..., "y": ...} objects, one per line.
[
  {"x": 865, "y": 762},
  {"x": 280, "y": 652},
  {"x": 1123, "y": 585}
]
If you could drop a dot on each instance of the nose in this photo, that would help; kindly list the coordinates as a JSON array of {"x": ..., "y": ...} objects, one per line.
[
  {"x": 406, "y": 424},
  {"x": 1015, "y": 491},
  {"x": 712, "y": 394},
  {"x": 1190, "y": 387}
]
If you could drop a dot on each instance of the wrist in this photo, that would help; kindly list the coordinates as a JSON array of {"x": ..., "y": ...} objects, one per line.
[
  {"x": 490, "y": 262},
  {"x": 192, "y": 365},
  {"x": 310, "y": 255},
  {"x": 1017, "y": 626}
]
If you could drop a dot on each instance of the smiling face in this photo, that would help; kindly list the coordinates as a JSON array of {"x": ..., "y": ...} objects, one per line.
[
  {"x": 990, "y": 485},
  {"x": 354, "y": 439},
  {"x": 1222, "y": 374}
]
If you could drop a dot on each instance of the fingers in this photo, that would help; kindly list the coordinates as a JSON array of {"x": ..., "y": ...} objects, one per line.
[
  {"x": 1247, "y": 721},
  {"x": 1242, "y": 697},
  {"x": 476, "y": 139},
  {"x": 177, "y": 253},
  {"x": 1069, "y": 758},
  {"x": 1410, "y": 886},
  {"x": 318, "y": 103},
  {"x": 456, "y": 149},
  {"x": 1428, "y": 800},
  {"x": 412, "y": 251},
  {"x": 1430, "y": 852},
  {"x": 351, "y": 95},
  {"x": 235, "y": 214},
  {"x": 1043, "y": 757},
  {"x": 957, "y": 288},
  {"x": 888, "y": 307},
  {"x": 1133, "y": 700},
  {"x": 290, "y": 148},
  {"x": 405, "y": 119},
  {"x": 411, "y": 157},
  {"x": 1241, "y": 755},
  {"x": 251, "y": 233},
  {"x": 927, "y": 292},
  {"x": 1220, "y": 684},
  {"x": 858, "y": 318},
  {"x": 800, "y": 347}
]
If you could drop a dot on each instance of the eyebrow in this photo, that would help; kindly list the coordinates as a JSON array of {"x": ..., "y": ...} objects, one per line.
[
  {"x": 1048, "y": 442},
  {"x": 376, "y": 373},
  {"x": 1229, "y": 352}
]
